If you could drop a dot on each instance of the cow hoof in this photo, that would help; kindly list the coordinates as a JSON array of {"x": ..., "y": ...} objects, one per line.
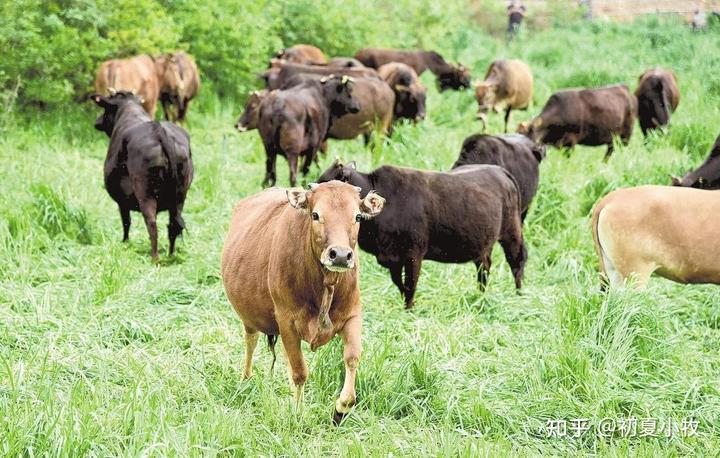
[{"x": 338, "y": 417}]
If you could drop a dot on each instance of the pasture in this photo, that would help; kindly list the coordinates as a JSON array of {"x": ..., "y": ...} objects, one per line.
[{"x": 103, "y": 353}]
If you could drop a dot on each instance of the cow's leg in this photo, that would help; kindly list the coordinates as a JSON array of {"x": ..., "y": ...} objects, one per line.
[
  {"x": 125, "y": 216},
  {"x": 351, "y": 334},
  {"x": 251, "y": 340},
  {"x": 307, "y": 162},
  {"x": 148, "y": 207},
  {"x": 412, "y": 273},
  {"x": 175, "y": 226},
  {"x": 396, "y": 276},
  {"x": 609, "y": 152},
  {"x": 507, "y": 117},
  {"x": 270, "y": 166},
  {"x": 515, "y": 253},
  {"x": 483, "y": 269},
  {"x": 293, "y": 163},
  {"x": 166, "y": 107},
  {"x": 296, "y": 361},
  {"x": 182, "y": 109}
]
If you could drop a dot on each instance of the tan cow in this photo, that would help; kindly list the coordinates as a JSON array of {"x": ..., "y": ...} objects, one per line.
[
  {"x": 179, "y": 83},
  {"x": 137, "y": 75},
  {"x": 290, "y": 267},
  {"x": 667, "y": 230},
  {"x": 508, "y": 86}
]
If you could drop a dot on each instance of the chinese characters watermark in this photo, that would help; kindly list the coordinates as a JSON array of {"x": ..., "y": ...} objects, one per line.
[{"x": 620, "y": 427}]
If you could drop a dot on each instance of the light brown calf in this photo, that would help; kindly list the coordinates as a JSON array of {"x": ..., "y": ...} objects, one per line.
[
  {"x": 137, "y": 75},
  {"x": 508, "y": 86},
  {"x": 290, "y": 267},
  {"x": 667, "y": 230}
]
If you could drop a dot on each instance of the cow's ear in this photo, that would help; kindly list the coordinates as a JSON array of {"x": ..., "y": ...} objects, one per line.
[
  {"x": 675, "y": 181},
  {"x": 297, "y": 197},
  {"x": 371, "y": 205},
  {"x": 352, "y": 165},
  {"x": 539, "y": 151}
]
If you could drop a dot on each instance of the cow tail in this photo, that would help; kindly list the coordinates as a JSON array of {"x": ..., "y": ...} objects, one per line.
[
  {"x": 598, "y": 247},
  {"x": 272, "y": 340},
  {"x": 517, "y": 190},
  {"x": 170, "y": 152}
]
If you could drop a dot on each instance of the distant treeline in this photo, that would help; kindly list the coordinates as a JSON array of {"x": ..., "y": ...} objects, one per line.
[{"x": 52, "y": 48}]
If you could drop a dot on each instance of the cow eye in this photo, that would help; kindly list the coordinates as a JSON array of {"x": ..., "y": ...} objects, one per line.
[
  {"x": 315, "y": 216},
  {"x": 358, "y": 217}
]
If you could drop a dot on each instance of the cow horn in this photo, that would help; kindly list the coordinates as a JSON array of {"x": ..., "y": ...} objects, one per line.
[
  {"x": 313, "y": 186},
  {"x": 675, "y": 180},
  {"x": 255, "y": 93},
  {"x": 402, "y": 87},
  {"x": 337, "y": 161},
  {"x": 323, "y": 80},
  {"x": 112, "y": 91}
]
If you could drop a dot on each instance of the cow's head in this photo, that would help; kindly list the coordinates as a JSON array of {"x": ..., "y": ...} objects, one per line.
[
  {"x": 338, "y": 91},
  {"x": 532, "y": 129},
  {"x": 111, "y": 104},
  {"x": 410, "y": 100},
  {"x": 485, "y": 94},
  {"x": 251, "y": 115},
  {"x": 457, "y": 77},
  {"x": 334, "y": 211},
  {"x": 707, "y": 176}
]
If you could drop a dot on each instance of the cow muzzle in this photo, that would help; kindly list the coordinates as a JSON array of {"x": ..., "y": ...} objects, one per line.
[
  {"x": 240, "y": 127},
  {"x": 338, "y": 259}
]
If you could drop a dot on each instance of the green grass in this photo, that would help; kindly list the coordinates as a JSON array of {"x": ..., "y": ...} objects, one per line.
[{"x": 103, "y": 353}]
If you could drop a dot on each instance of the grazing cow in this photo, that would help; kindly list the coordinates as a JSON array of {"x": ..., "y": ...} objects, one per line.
[
  {"x": 148, "y": 167},
  {"x": 137, "y": 75},
  {"x": 586, "y": 117},
  {"x": 279, "y": 76},
  {"x": 508, "y": 86},
  {"x": 707, "y": 176},
  {"x": 347, "y": 62},
  {"x": 179, "y": 83},
  {"x": 449, "y": 76},
  {"x": 409, "y": 92},
  {"x": 513, "y": 152},
  {"x": 290, "y": 268},
  {"x": 294, "y": 122},
  {"x": 302, "y": 54},
  {"x": 451, "y": 217},
  {"x": 657, "y": 229},
  {"x": 658, "y": 96}
]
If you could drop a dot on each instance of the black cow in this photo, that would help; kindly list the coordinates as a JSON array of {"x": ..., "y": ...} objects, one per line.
[
  {"x": 296, "y": 121},
  {"x": 658, "y": 97},
  {"x": 451, "y": 217},
  {"x": 585, "y": 117},
  {"x": 707, "y": 176},
  {"x": 515, "y": 153},
  {"x": 148, "y": 167}
]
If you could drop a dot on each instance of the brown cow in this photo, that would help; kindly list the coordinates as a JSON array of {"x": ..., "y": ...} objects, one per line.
[
  {"x": 584, "y": 117},
  {"x": 290, "y": 268},
  {"x": 508, "y": 86},
  {"x": 666, "y": 230},
  {"x": 280, "y": 74},
  {"x": 450, "y": 76},
  {"x": 302, "y": 54},
  {"x": 179, "y": 83},
  {"x": 347, "y": 62},
  {"x": 658, "y": 97},
  {"x": 136, "y": 74},
  {"x": 251, "y": 115},
  {"x": 409, "y": 92}
]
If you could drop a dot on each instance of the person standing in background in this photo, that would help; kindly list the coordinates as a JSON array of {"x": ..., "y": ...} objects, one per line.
[{"x": 516, "y": 12}]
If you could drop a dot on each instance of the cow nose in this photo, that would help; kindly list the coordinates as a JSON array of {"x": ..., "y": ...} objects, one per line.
[
  {"x": 240, "y": 127},
  {"x": 340, "y": 256}
]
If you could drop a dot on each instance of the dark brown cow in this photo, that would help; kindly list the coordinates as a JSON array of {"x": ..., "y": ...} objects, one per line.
[
  {"x": 290, "y": 268},
  {"x": 452, "y": 217},
  {"x": 302, "y": 54},
  {"x": 137, "y": 74},
  {"x": 294, "y": 122},
  {"x": 449, "y": 76},
  {"x": 148, "y": 167},
  {"x": 515, "y": 153},
  {"x": 508, "y": 86},
  {"x": 658, "y": 97},
  {"x": 348, "y": 62},
  {"x": 584, "y": 117},
  {"x": 707, "y": 176},
  {"x": 251, "y": 114},
  {"x": 410, "y": 94},
  {"x": 179, "y": 83}
]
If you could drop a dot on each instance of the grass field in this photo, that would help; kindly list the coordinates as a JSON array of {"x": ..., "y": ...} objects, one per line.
[{"x": 102, "y": 353}]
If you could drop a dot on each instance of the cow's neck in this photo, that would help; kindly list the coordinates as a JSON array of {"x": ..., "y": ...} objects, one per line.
[
  {"x": 436, "y": 63},
  {"x": 130, "y": 114}
]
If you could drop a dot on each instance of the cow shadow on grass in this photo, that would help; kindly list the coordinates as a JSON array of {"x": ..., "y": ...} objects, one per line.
[{"x": 141, "y": 248}]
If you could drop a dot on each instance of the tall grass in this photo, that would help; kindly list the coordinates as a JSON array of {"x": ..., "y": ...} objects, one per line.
[{"x": 103, "y": 353}]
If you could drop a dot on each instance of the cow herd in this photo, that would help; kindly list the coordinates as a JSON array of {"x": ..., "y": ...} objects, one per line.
[{"x": 290, "y": 262}]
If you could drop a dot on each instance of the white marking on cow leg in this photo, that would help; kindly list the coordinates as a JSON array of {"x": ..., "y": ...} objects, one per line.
[
  {"x": 615, "y": 278},
  {"x": 251, "y": 340},
  {"x": 351, "y": 334}
]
